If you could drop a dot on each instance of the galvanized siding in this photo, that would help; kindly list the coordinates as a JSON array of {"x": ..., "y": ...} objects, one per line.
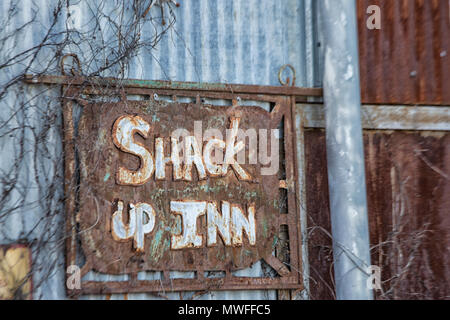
[{"x": 213, "y": 41}]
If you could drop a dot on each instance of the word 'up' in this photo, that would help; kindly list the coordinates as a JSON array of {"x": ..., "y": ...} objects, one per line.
[{"x": 230, "y": 224}]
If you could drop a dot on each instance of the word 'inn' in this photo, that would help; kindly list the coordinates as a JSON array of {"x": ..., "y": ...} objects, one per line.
[{"x": 230, "y": 224}]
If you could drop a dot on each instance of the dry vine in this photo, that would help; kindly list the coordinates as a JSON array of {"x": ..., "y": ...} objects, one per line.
[{"x": 106, "y": 36}]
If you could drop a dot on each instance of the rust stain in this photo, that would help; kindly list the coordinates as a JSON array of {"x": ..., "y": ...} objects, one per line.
[
  {"x": 407, "y": 61},
  {"x": 409, "y": 209}
]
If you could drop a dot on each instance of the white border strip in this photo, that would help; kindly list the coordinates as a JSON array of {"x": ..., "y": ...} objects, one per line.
[{"x": 384, "y": 117}]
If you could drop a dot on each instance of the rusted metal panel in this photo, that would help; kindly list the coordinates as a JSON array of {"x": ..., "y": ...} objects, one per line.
[
  {"x": 409, "y": 176},
  {"x": 407, "y": 61},
  {"x": 15, "y": 273},
  {"x": 140, "y": 207},
  {"x": 320, "y": 245},
  {"x": 408, "y": 185}
]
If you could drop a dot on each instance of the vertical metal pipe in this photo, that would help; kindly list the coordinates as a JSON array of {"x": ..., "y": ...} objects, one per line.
[{"x": 345, "y": 154}]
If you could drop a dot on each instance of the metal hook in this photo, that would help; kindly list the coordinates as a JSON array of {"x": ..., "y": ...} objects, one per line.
[
  {"x": 72, "y": 70},
  {"x": 287, "y": 82}
]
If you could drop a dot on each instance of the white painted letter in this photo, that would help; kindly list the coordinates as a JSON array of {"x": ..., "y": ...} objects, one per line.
[
  {"x": 232, "y": 148},
  {"x": 161, "y": 161},
  {"x": 213, "y": 169},
  {"x": 216, "y": 221},
  {"x": 121, "y": 231},
  {"x": 239, "y": 223},
  {"x": 193, "y": 156},
  {"x": 136, "y": 228},
  {"x": 123, "y": 130},
  {"x": 189, "y": 211}
]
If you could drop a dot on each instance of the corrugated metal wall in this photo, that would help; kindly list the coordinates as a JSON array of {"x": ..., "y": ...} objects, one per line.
[
  {"x": 241, "y": 41},
  {"x": 407, "y": 61}
]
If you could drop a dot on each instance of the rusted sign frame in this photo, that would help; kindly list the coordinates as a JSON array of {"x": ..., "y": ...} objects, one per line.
[{"x": 283, "y": 99}]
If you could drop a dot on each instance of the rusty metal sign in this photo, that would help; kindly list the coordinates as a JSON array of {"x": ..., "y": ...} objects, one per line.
[
  {"x": 161, "y": 189},
  {"x": 183, "y": 212},
  {"x": 160, "y": 185}
]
